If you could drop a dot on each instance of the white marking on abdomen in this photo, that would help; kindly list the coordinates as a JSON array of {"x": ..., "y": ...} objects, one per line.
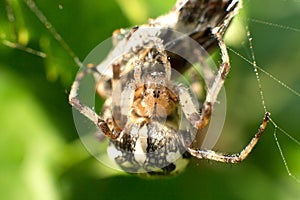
[{"x": 141, "y": 145}]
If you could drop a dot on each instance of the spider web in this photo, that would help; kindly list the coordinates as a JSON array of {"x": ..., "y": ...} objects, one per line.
[{"x": 270, "y": 81}]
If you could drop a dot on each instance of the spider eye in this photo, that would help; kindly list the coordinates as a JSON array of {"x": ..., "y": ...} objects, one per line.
[{"x": 156, "y": 93}]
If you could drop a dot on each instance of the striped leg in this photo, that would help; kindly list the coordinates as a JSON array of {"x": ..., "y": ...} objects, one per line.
[
  {"x": 204, "y": 119},
  {"x": 231, "y": 158},
  {"x": 84, "y": 109},
  {"x": 213, "y": 91}
]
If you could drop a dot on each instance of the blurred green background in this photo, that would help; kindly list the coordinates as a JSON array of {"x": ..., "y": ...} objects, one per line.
[{"x": 41, "y": 156}]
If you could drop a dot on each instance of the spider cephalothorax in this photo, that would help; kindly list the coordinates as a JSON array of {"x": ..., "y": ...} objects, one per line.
[
  {"x": 154, "y": 101},
  {"x": 153, "y": 96}
]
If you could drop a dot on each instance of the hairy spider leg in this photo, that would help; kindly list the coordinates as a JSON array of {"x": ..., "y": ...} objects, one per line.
[
  {"x": 231, "y": 158},
  {"x": 205, "y": 116},
  {"x": 87, "y": 111}
]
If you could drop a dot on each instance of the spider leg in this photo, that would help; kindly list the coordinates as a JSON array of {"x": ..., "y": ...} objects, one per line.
[
  {"x": 213, "y": 91},
  {"x": 137, "y": 74},
  {"x": 231, "y": 158},
  {"x": 84, "y": 109},
  {"x": 190, "y": 110},
  {"x": 122, "y": 106},
  {"x": 116, "y": 108},
  {"x": 200, "y": 120}
]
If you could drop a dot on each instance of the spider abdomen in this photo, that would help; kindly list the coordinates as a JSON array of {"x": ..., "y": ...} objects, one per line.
[{"x": 151, "y": 148}]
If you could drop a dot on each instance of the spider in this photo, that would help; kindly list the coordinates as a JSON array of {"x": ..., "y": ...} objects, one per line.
[{"x": 151, "y": 120}]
